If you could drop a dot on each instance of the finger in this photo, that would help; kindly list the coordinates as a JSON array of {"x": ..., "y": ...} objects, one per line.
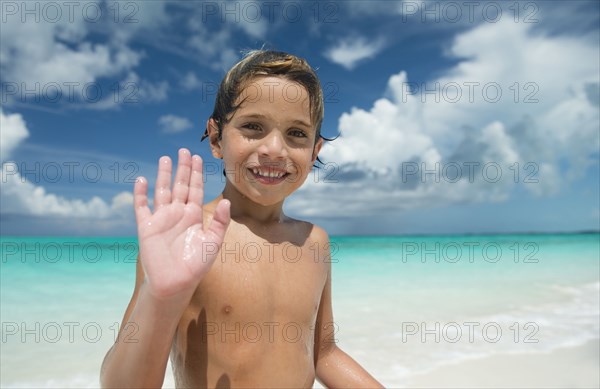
[
  {"x": 162, "y": 190},
  {"x": 196, "y": 194},
  {"x": 220, "y": 222},
  {"x": 140, "y": 200},
  {"x": 182, "y": 176}
]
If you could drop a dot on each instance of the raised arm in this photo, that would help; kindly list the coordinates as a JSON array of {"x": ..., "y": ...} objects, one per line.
[
  {"x": 335, "y": 368},
  {"x": 175, "y": 252}
]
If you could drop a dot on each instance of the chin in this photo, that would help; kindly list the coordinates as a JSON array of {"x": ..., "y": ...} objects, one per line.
[
  {"x": 266, "y": 201},
  {"x": 266, "y": 195}
]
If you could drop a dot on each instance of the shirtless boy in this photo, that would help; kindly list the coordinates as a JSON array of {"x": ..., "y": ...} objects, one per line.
[{"x": 238, "y": 293}]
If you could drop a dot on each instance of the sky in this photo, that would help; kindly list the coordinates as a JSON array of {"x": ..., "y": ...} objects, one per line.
[{"x": 450, "y": 117}]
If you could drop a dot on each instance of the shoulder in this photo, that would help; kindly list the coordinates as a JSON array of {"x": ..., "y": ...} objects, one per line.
[
  {"x": 312, "y": 231},
  {"x": 320, "y": 242},
  {"x": 315, "y": 239},
  {"x": 319, "y": 234}
]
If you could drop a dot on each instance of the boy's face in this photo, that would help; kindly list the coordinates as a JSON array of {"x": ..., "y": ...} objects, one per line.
[{"x": 268, "y": 146}]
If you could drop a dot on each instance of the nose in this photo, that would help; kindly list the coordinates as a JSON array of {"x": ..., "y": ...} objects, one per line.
[{"x": 273, "y": 146}]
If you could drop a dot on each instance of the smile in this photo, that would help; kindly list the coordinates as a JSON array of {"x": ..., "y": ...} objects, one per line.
[{"x": 268, "y": 175}]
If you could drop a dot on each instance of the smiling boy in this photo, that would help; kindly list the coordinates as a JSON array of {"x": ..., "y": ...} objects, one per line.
[{"x": 238, "y": 293}]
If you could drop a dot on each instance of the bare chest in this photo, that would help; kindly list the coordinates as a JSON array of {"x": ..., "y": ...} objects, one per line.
[
  {"x": 259, "y": 280},
  {"x": 255, "y": 310}
]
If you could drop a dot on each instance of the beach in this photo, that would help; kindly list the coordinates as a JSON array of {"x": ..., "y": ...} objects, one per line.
[
  {"x": 435, "y": 311},
  {"x": 569, "y": 367}
]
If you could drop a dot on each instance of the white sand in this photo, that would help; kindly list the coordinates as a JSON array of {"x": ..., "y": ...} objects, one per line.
[{"x": 573, "y": 367}]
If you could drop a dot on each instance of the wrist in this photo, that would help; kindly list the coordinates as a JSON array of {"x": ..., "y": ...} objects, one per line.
[{"x": 161, "y": 308}]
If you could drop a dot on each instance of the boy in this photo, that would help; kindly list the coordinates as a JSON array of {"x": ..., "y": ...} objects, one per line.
[{"x": 237, "y": 292}]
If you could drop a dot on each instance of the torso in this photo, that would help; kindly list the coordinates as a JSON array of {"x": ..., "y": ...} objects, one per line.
[{"x": 251, "y": 321}]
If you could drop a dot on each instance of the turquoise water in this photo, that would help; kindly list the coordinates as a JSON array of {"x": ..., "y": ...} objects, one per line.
[{"x": 62, "y": 300}]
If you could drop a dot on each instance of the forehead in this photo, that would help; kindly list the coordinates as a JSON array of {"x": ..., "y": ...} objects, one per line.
[{"x": 276, "y": 96}]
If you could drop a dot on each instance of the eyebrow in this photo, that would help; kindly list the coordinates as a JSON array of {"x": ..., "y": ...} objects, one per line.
[{"x": 261, "y": 116}]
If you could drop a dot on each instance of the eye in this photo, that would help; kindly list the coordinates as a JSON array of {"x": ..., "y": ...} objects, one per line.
[
  {"x": 298, "y": 133},
  {"x": 252, "y": 126}
]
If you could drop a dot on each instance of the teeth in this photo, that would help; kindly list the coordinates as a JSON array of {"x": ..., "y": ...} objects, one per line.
[{"x": 270, "y": 174}]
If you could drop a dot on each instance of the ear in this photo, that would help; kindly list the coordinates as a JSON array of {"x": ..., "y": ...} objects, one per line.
[
  {"x": 316, "y": 150},
  {"x": 213, "y": 136}
]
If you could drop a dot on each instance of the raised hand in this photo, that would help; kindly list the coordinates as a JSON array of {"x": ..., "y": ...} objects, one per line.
[{"x": 175, "y": 249}]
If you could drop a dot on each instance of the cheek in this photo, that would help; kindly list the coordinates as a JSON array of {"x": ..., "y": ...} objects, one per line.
[
  {"x": 304, "y": 162},
  {"x": 234, "y": 149}
]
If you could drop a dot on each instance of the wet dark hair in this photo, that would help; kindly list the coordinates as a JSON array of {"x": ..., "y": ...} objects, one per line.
[{"x": 267, "y": 63}]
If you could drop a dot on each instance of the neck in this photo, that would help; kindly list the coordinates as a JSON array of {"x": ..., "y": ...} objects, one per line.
[{"x": 242, "y": 208}]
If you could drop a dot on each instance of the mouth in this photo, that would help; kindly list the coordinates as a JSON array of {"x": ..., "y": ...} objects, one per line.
[{"x": 268, "y": 175}]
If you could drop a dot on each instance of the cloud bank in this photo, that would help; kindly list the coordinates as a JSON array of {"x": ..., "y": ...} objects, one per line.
[
  {"x": 518, "y": 109},
  {"x": 20, "y": 196}
]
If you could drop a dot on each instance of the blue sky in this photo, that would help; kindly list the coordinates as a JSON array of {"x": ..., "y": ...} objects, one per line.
[{"x": 454, "y": 117}]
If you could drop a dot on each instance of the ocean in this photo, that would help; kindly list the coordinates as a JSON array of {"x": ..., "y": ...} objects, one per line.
[{"x": 403, "y": 305}]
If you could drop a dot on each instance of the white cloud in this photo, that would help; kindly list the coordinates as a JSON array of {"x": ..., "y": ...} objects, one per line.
[
  {"x": 211, "y": 47},
  {"x": 136, "y": 18},
  {"x": 23, "y": 197},
  {"x": 251, "y": 20},
  {"x": 133, "y": 90},
  {"x": 13, "y": 131},
  {"x": 541, "y": 132},
  {"x": 146, "y": 91},
  {"x": 172, "y": 124},
  {"x": 190, "y": 81},
  {"x": 46, "y": 52},
  {"x": 35, "y": 55},
  {"x": 350, "y": 51},
  {"x": 20, "y": 196}
]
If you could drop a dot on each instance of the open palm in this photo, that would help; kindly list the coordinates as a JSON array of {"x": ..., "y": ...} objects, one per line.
[{"x": 175, "y": 249}]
